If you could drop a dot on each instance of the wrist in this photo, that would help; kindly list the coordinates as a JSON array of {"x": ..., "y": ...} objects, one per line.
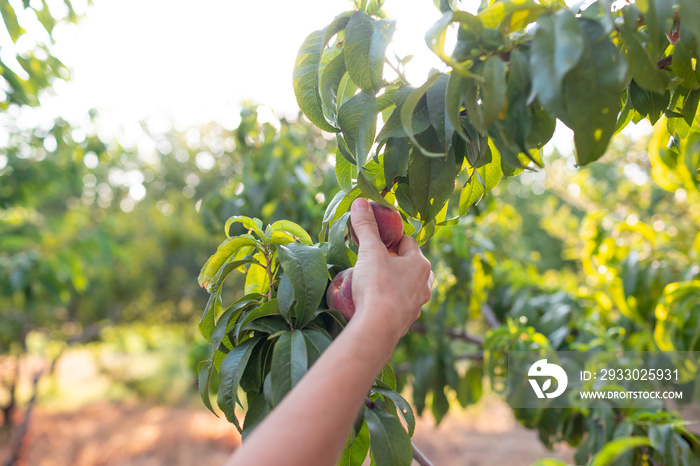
[{"x": 377, "y": 333}]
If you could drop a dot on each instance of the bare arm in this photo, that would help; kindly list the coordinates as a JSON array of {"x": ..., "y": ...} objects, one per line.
[{"x": 312, "y": 423}]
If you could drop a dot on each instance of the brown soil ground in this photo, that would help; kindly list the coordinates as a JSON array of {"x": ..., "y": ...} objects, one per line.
[{"x": 120, "y": 434}]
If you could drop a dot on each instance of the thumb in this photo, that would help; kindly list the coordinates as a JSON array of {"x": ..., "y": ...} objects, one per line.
[{"x": 363, "y": 223}]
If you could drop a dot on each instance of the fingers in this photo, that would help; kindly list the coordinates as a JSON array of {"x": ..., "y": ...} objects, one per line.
[
  {"x": 408, "y": 246},
  {"x": 364, "y": 224}
]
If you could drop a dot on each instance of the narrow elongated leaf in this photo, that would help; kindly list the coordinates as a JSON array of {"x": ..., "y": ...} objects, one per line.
[
  {"x": 330, "y": 81},
  {"x": 431, "y": 179},
  {"x": 369, "y": 190},
  {"x": 269, "y": 308},
  {"x": 225, "y": 271},
  {"x": 211, "y": 311},
  {"x": 305, "y": 266},
  {"x": 224, "y": 252},
  {"x": 592, "y": 93},
  {"x": 481, "y": 181},
  {"x": 289, "y": 364},
  {"x": 356, "y": 449},
  {"x": 556, "y": 48},
  {"x": 344, "y": 174},
  {"x": 358, "y": 122},
  {"x": 306, "y": 73},
  {"x": 295, "y": 230},
  {"x": 642, "y": 64},
  {"x": 337, "y": 250},
  {"x": 689, "y": 11},
  {"x": 365, "y": 45},
  {"x": 204, "y": 371},
  {"x": 470, "y": 386},
  {"x": 285, "y": 296},
  {"x": 316, "y": 344},
  {"x": 391, "y": 445},
  {"x": 407, "y": 110},
  {"x": 396, "y": 157},
  {"x": 232, "y": 368},
  {"x": 438, "y": 112},
  {"x": 616, "y": 448},
  {"x": 435, "y": 38},
  {"x": 258, "y": 408},
  {"x": 402, "y": 405}
]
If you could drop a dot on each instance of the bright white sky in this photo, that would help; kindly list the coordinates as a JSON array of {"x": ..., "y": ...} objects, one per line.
[{"x": 194, "y": 61}]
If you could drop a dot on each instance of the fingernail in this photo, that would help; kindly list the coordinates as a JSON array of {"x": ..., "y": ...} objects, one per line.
[{"x": 360, "y": 204}]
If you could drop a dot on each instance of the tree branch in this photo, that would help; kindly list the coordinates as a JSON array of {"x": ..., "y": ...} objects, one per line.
[
  {"x": 490, "y": 316},
  {"x": 454, "y": 334},
  {"x": 472, "y": 356},
  {"x": 22, "y": 430},
  {"x": 665, "y": 62},
  {"x": 417, "y": 454}
]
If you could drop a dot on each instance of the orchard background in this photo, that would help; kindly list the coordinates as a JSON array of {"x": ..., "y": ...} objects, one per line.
[{"x": 538, "y": 239}]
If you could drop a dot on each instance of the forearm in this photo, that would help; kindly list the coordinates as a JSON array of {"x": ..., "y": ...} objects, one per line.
[{"x": 314, "y": 419}]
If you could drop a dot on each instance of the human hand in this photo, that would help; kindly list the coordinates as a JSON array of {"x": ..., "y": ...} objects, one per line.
[{"x": 388, "y": 292}]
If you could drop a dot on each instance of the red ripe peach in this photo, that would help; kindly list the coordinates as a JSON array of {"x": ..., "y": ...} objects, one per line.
[
  {"x": 389, "y": 224},
  {"x": 339, "y": 294}
]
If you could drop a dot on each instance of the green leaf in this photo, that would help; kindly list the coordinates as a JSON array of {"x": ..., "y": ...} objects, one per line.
[
  {"x": 616, "y": 448},
  {"x": 211, "y": 310},
  {"x": 251, "y": 224},
  {"x": 492, "y": 95},
  {"x": 337, "y": 250},
  {"x": 435, "y": 38},
  {"x": 257, "y": 279},
  {"x": 470, "y": 386},
  {"x": 643, "y": 66},
  {"x": 370, "y": 191},
  {"x": 402, "y": 405},
  {"x": 343, "y": 173},
  {"x": 511, "y": 15},
  {"x": 396, "y": 155},
  {"x": 648, "y": 103},
  {"x": 556, "y": 49},
  {"x": 305, "y": 266},
  {"x": 306, "y": 73},
  {"x": 440, "y": 404},
  {"x": 218, "y": 280},
  {"x": 690, "y": 13},
  {"x": 331, "y": 77},
  {"x": 358, "y": 122},
  {"x": 204, "y": 371},
  {"x": 481, "y": 181},
  {"x": 408, "y": 109},
  {"x": 295, "y": 230},
  {"x": 391, "y": 445},
  {"x": 285, "y": 296},
  {"x": 289, "y": 364},
  {"x": 592, "y": 93},
  {"x": 388, "y": 377},
  {"x": 431, "y": 179},
  {"x": 224, "y": 252},
  {"x": 356, "y": 449},
  {"x": 316, "y": 344},
  {"x": 232, "y": 368},
  {"x": 437, "y": 109},
  {"x": 269, "y": 308},
  {"x": 258, "y": 408},
  {"x": 365, "y": 44}
]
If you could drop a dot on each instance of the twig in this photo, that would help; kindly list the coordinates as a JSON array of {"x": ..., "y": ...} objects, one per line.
[
  {"x": 454, "y": 334},
  {"x": 22, "y": 430},
  {"x": 417, "y": 454},
  {"x": 472, "y": 356},
  {"x": 649, "y": 457},
  {"x": 420, "y": 457},
  {"x": 490, "y": 316},
  {"x": 665, "y": 62},
  {"x": 397, "y": 71}
]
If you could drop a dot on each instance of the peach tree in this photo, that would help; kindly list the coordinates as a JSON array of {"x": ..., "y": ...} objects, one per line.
[{"x": 432, "y": 152}]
